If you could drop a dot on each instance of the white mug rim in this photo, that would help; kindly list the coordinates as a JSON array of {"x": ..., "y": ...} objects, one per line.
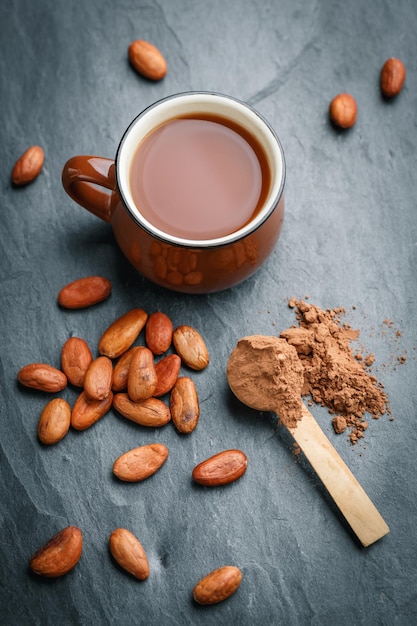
[{"x": 269, "y": 135}]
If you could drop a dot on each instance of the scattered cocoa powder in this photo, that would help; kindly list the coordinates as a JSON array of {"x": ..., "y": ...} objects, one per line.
[
  {"x": 334, "y": 376},
  {"x": 369, "y": 360},
  {"x": 296, "y": 449},
  {"x": 339, "y": 424}
]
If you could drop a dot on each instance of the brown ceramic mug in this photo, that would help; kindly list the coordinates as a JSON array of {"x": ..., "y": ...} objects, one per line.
[{"x": 201, "y": 262}]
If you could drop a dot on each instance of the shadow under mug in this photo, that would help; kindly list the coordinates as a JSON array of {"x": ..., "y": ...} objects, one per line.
[{"x": 102, "y": 186}]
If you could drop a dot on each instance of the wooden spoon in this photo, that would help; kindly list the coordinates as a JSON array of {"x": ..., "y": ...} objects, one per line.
[{"x": 266, "y": 374}]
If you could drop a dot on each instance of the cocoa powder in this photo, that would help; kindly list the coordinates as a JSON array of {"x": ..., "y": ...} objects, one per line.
[
  {"x": 266, "y": 374},
  {"x": 333, "y": 375}
]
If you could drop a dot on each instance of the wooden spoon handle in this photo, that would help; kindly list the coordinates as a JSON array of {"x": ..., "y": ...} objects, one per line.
[{"x": 358, "y": 510}]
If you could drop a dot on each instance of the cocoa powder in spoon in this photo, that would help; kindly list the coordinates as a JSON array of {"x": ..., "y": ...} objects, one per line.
[
  {"x": 333, "y": 377},
  {"x": 266, "y": 374}
]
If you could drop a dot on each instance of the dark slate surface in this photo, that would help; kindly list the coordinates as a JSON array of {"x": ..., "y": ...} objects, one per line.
[{"x": 349, "y": 240}]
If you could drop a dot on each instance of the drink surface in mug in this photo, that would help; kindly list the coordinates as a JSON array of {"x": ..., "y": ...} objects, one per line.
[{"x": 199, "y": 177}]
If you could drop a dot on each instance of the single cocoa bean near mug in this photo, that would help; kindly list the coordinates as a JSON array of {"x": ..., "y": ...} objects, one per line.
[
  {"x": 54, "y": 421},
  {"x": 147, "y": 60},
  {"x": 167, "y": 371},
  {"x": 121, "y": 370},
  {"x": 122, "y": 333},
  {"x": 98, "y": 378},
  {"x": 140, "y": 463},
  {"x": 129, "y": 553},
  {"x": 221, "y": 469},
  {"x": 191, "y": 347},
  {"x": 42, "y": 377},
  {"x": 76, "y": 358},
  {"x": 84, "y": 292},
  {"x": 218, "y": 585},
  {"x": 87, "y": 412},
  {"x": 158, "y": 332},
  {"x": 392, "y": 77},
  {"x": 184, "y": 405},
  {"x": 343, "y": 110},
  {"x": 28, "y": 166},
  {"x": 142, "y": 379},
  {"x": 59, "y": 555},
  {"x": 151, "y": 412}
]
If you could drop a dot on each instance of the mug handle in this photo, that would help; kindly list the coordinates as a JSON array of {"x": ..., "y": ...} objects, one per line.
[{"x": 91, "y": 182}]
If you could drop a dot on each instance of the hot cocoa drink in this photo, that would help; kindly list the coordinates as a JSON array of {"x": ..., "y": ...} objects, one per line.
[{"x": 199, "y": 177}]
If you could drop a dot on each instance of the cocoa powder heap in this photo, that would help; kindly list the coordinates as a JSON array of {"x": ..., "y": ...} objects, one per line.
[
  {"x": 266, "y": 374},
  {"x": 333, "y": 376}
]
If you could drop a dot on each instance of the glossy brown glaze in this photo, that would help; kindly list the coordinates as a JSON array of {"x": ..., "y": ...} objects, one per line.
[{"x": 196, "y": 270}]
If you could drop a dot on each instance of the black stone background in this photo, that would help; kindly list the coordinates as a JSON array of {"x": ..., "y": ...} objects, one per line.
[{"x": 349, "y": 239}]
